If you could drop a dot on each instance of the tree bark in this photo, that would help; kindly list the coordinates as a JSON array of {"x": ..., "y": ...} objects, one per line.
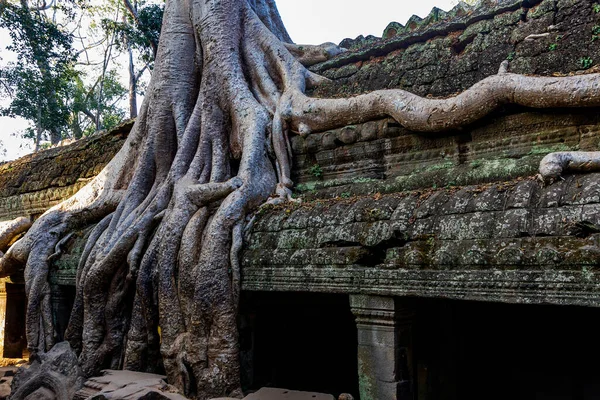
[
  {"x": 11, "y": 229},
  {"x": 133, "y": 111},
  {"x": 210, "y": 146}
]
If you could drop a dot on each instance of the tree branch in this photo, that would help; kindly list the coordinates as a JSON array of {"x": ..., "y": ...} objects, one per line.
[{"x": 134, "y": 14}]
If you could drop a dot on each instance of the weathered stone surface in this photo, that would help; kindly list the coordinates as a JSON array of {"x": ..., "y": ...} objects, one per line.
[
  {"x": 445, "y": 53},
  {"x": 481, "y": 242},
  {"x": 384, "y": 340},
  {"x": 503, "y": 147},
  {"x": 34, "y": 183},
  {"x": 284, "y": 394},
  {"x": 56, "y": 372},
  {"x": 127, "y": 385}
]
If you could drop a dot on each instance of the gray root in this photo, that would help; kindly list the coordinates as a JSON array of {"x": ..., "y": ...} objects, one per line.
[
  {"x": 536, "y": 36},
  {"x": 309, "y": 55},
  {"x": 9, "y": 230},
  {"x": 58, "y": 249},
  {"x": 210, "y": 146},
  {"x": 555, "y": 164},
  {"x": 433, "y": 115}
]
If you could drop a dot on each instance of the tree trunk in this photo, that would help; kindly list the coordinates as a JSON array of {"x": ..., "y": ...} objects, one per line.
[
  {"x": 39, "y": 130},
  {"x": 133, "y": 112},
  {"x": 209, "y": 147}
]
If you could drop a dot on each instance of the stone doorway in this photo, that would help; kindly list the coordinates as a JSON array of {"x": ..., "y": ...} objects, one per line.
[
  {"x": 493, "y": 351},
  {"x": 299, "y": 341}
]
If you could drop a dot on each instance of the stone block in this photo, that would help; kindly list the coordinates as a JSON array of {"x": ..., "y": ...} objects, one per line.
[
  {"x": 478, "y": 225},
  {"x": 512, "y": 223},
  {"x": 284, "y": 394}
]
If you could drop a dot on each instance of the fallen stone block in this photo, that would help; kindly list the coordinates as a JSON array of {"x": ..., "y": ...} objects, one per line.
[{"x": 284, "y": 394}]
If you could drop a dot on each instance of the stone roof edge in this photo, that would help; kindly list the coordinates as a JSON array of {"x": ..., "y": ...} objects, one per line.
[
  {"x": 418, "y": 30},
  {"x": 123, "y": 127}
]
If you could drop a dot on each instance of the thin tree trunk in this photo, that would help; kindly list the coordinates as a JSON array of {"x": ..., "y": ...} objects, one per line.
[
  {"x": 39, "y": 130},
  {"x": 133, "y": 112}
]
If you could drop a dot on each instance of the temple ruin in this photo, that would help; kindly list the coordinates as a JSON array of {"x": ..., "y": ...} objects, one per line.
[{"x": 417, "y": 266}]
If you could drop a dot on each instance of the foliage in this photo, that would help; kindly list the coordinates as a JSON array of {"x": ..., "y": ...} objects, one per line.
[
  {"x": 141, "y": 32},
  {"x": 57, "y": 83},
  {"x": 586, "y": 62},
  {"x": 39, "y": 80},
  {"x": 316, "y": 171},
  {"x": 86, "y": 103}
]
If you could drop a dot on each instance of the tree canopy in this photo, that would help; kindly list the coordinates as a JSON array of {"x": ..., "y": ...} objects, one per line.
[{"x": 67, "y": 80}]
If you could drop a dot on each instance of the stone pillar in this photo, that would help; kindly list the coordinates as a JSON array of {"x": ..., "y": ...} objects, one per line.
[
  {"x": 2, "y": 315},
  {"x": 384, "y": 347}
]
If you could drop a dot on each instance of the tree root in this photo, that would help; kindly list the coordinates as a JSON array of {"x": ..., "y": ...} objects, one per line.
[
  {"x": 309, "y": 55},
  {"x": 9, "y": 230},
  {"x": 420, "y": 114},
  {"x": 58, "y": 249},
  {"x": 158, "y": 283},
  {"x": 554, "y": 164}
]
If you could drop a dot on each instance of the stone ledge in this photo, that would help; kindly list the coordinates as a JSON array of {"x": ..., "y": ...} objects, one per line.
[{"x": 528, "y": 287}]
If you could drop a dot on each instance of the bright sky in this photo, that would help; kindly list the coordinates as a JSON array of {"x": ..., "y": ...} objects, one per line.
[{"x": 308, "y": 22}]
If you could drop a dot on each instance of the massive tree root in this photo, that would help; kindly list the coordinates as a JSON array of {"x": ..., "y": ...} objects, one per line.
[
  {"x": 158, "y": 280},
  {"x": 10, "y": 230},
  {"x": 554, "y": 164}
]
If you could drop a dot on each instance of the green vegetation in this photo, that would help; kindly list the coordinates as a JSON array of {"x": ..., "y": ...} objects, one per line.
[
  {"x": 66, "y": 78},
  {"x": 363, "y": 180},
  {"x": 538, "y": 150},
  {"x": 553, "y": 46},
  {"x": 595, "y": 33},
  {"x": 316, "y": 171},
  {"x": 586, "y": 62}
]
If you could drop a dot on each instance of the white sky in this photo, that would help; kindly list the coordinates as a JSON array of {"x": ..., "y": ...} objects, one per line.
[{"x": 308, "y": 22}]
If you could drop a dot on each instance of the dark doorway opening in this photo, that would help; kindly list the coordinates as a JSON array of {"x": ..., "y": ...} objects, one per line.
[
  {"x": 63, "y": 297},
  {"x": 15, "y": 341},
  {"x": 299, "y": 341},
  {"x": 470, "y": 350}
]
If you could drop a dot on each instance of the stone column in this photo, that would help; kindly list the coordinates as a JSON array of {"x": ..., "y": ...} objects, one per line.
[
  {"x": 384, "y": 347},
  {"x": 2, "y": 315}
]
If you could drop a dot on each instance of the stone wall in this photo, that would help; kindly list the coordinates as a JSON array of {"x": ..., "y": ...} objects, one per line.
[
  {"x": 513, "y": 241},
  {"x": 34, "y": 183},
  {"x": 446, "y": 53},
  {"x": 383, "y": 157}
]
